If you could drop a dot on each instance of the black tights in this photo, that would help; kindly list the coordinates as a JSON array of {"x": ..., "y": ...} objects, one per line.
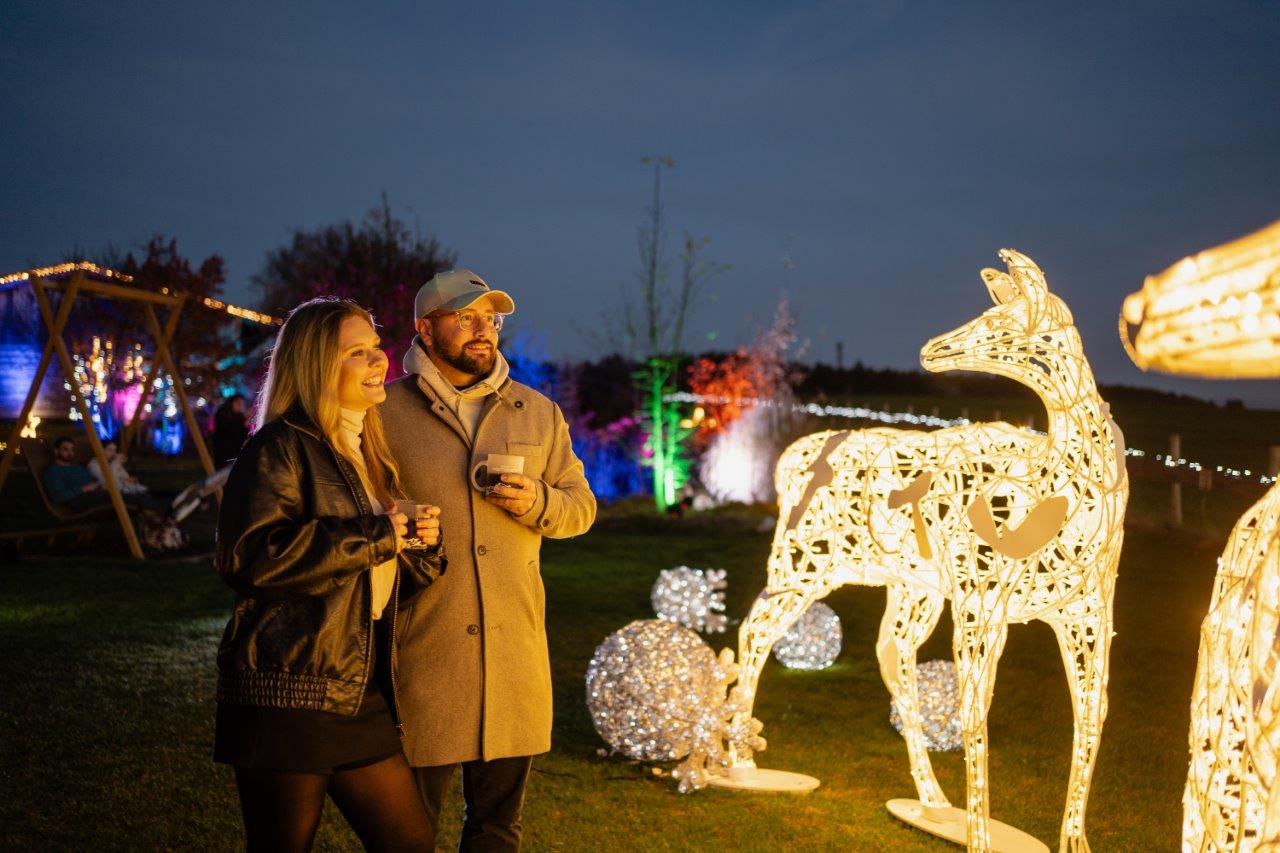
[{"x": 380, "y": 801}]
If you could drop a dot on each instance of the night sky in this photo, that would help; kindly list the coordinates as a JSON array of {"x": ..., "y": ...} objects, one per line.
[{"x": 888, "y": 149}]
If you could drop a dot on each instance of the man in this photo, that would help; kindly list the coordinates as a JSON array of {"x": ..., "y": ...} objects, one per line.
[
  {"x": 474, "y": 670},
  {"x": 74, "y": 486}
]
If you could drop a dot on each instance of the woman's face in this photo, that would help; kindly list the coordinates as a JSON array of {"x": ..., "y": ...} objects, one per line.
[
  {"x": 364, "y": 365},
  {"x": 109, "y": 450}
]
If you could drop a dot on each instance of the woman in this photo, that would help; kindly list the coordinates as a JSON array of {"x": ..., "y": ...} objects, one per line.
[{"x": 310, "y": 540}]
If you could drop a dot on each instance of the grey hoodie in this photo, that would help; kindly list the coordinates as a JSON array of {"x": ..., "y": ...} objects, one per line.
[{"x": 465, "y": 403}]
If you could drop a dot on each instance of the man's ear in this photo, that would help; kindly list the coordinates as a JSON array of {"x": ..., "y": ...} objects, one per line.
[{"x": 423, "y": 327}]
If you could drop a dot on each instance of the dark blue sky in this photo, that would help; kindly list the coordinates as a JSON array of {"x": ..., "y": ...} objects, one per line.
[{"x": 893, "y": 147}]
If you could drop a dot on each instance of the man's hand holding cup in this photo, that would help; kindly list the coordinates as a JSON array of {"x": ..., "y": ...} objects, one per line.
[{"x": 515, "y": 493}]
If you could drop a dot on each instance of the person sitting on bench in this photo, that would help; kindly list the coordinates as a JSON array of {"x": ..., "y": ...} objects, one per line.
[
  {"x": 72, "y": 485},
  {"x": 126, "y": 482}
]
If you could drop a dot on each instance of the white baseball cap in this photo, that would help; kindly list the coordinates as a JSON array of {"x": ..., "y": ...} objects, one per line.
[{"x": 455, "y": 290}]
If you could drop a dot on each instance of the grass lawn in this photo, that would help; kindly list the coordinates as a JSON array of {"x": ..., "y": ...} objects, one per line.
[{"x": 106, "y": 714}]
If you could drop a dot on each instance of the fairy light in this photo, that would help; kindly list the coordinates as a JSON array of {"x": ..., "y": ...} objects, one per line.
[
  {"x": 105, "y": 272},
  {"x": 657, "y": 692},
  {"x": 1012, "y": 524},
  {"x": 693, "y": 598},
  {"x": 1217, "y": 314},
  {"x": 63, "y": 269},
  {"x": 894, "y": 418}
]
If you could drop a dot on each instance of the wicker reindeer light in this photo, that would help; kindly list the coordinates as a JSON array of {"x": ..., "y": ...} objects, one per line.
[
  {"x": 1008, "y": 524},
  {"x": 1217, "y": 314}
]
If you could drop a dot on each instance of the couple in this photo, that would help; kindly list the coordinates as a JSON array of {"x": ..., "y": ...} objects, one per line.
[{"x": 354, "y": 665}]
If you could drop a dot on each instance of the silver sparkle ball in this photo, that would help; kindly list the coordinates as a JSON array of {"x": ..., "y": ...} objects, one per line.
[
  {"x": 693, "y": 598},
  {"x": 650, "y": 685},
  {"x": 813, "y": 642},
  {"x": 939, "y": 692}
]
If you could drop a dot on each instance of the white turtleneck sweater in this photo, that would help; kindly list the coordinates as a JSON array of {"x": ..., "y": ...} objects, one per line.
[{"x": 382, "y": 577}]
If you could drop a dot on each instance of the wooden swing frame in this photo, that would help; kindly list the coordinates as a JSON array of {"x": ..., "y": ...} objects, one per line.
[{"x": 80, "y": 284}]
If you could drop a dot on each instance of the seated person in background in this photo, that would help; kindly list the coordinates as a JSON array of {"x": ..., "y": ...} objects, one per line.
[
  {"x": 128, "y": 484},
  {"x": 72, "y": 486}
]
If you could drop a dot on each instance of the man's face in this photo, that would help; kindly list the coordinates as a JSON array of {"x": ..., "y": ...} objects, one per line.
[
  {"x": 65, "y": 452},
  {"x": 471, "y": 352}
]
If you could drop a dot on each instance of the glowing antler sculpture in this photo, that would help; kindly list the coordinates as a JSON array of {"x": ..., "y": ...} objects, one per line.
[
  {"x": 1218, "y": 314},
  {"x": 1009, "y": 524}
]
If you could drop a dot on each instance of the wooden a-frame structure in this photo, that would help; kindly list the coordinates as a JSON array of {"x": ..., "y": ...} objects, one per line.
[{"x": 81, "y": 284}]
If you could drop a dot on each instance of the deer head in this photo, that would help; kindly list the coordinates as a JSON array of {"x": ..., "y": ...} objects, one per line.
[{"x": 1024, "y": 336}]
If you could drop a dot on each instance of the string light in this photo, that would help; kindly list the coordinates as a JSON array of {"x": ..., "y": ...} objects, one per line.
[
  {"x": 938, "y": 692},
  {"x": 656, "y": 692},
  {"x": 893, "y": 418},
  {"x": 1217, "y": 314},
  {"x": 104, "y": 272},
  {"x": 63, "y": 269},
  {"x": 693, "y": 598},
  {"x": 1010, "y": 524},
  {"x": 813, "y": 642}
]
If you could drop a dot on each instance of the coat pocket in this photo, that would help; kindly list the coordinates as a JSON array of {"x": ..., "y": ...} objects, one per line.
[{"x": 535, "y": 457}]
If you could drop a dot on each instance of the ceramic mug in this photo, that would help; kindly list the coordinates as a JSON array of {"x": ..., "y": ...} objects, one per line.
[{"x": 487, "y": 474}]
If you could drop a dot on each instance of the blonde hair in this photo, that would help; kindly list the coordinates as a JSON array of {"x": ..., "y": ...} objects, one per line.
[{"x": 302, "y": 374}]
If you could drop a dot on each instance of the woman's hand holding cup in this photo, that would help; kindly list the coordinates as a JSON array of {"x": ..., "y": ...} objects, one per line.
[
  {"x": 422, "y": 524},
  {"x": 400, "y": 524}
]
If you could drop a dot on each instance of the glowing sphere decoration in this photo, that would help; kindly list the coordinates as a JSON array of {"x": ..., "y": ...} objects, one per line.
[
  {"x": 938, "y": 690},
  {"x": 1217, "y": 314},
  {"x": 693, "y": 598},
  {"x": 657, "y": 692},
  {"x": 813, "y": 642}
]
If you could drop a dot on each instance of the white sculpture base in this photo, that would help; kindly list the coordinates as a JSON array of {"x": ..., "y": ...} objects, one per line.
[
  {"x": 771, "y": 781},
  {"x": 951, "y": 823}
]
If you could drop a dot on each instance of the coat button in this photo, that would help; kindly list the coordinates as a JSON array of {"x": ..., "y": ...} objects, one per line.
[
  {"x": 546, "y": 522},
  {"x": 481, "y": 550},
  {"x": 473, "y": 629}
]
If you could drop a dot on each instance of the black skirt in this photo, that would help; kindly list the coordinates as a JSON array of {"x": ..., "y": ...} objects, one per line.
[{"x": 301, "y": 741}]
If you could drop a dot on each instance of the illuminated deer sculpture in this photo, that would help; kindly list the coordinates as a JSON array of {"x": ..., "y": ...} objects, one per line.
[{"x": 1008, "y": 524}]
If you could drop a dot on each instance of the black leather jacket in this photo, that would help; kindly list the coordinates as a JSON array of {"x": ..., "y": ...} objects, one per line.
[{"x": 296, "y": 540}]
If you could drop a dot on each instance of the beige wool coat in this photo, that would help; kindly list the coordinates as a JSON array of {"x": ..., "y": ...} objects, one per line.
[{"x": 475, "y": 677}]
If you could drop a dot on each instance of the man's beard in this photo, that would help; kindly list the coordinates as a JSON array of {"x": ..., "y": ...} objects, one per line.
[{"x": 459, "y": 359}]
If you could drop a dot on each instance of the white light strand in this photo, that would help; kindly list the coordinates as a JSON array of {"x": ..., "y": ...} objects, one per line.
[
  {"x": 861, "y": 413},
  {"x": 693, "y": 598}
]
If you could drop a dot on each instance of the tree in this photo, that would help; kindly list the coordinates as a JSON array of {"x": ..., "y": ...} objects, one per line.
[
  {"x": 379, "y": 263},
  {"x": 654, "y": 322}
]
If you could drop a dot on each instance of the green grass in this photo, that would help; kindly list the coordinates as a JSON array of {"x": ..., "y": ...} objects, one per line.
[{"x": 108, "y": 670}]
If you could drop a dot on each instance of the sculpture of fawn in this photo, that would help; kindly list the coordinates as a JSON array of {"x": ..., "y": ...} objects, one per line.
[{"x": 1008, "y": 524}]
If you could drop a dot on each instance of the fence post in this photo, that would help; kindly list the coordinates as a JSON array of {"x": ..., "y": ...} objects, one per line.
[{"x": 1175, "y": 453}]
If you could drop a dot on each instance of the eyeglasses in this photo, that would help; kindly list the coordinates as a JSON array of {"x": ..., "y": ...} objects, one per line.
[{"x": 470, "y": 321}]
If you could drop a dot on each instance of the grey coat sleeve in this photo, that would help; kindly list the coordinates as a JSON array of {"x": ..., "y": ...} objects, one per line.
[{"x": 565, "y": 505}]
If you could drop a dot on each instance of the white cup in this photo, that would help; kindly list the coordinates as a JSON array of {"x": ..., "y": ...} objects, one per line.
[{"x": 488, "y": 473}]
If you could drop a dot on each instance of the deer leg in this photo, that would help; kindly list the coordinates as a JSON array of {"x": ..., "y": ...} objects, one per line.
[
  {"x": 1085, "y": 643},
  {"x": 772, "y": 614},
  {"x": 909, "y": 619},
  {"x": 979, "y": 641}
]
